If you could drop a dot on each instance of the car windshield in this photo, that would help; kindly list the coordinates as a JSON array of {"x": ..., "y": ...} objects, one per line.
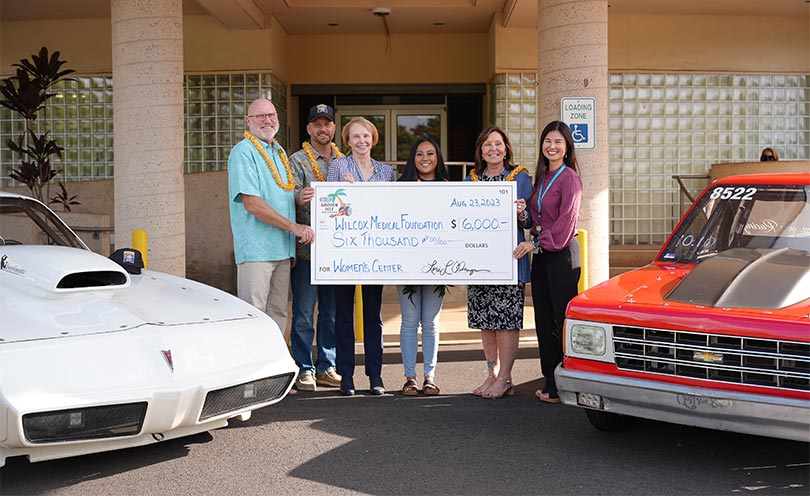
[
  {"x": 24, "y": 221},
  {"x": 742, "y": 216}
]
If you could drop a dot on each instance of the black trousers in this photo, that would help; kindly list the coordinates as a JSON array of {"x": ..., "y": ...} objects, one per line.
[
  {"x": 372, "y": 329},
  {"x": 555, "y": 276}
]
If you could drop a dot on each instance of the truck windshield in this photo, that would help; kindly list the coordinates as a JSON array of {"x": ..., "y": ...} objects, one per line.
[{"x": 742, "y": 216}]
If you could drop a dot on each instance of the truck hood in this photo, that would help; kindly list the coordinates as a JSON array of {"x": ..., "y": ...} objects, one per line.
[
  {"x": 642, "y": 298},
  {"x": 747, "y": 278}
]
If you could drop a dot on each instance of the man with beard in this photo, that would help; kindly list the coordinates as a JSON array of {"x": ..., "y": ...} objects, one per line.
[
  {"x": 311, "y": 163},
  {"x": 262, "y": 209}
]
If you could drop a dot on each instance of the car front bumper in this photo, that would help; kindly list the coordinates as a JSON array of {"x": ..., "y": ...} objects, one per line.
[{"x": 756, "y": 414}]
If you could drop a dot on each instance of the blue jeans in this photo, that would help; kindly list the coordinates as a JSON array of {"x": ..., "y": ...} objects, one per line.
[
  {"x": 424, "y": 308},
  {"x": 302, "y": 331}
]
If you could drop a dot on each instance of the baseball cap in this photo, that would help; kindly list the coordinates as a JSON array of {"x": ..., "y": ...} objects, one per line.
[
  {"x": 128, "y": 258},
  {"x": 321, "y": 110}
]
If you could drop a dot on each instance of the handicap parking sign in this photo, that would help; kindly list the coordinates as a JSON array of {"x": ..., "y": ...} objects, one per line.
[
  {"x": 580, "y": 115},
  {"x": 579, "y": 132}
]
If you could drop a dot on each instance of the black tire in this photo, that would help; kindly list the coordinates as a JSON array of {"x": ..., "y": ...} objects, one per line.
[{"x": 608, "y": 422}]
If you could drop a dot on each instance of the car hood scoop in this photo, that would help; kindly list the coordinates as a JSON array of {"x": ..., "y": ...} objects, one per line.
[
  {"x": 151, "y": 299},
  {"x": 747, "y": 278},
  {"x": 58, "y": 269}
]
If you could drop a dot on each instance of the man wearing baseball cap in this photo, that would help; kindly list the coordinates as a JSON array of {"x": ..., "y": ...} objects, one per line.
[{"x": 311, "y": 163}]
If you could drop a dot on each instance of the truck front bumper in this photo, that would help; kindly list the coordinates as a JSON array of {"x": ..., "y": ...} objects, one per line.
[{"x": 756, "y": 414}]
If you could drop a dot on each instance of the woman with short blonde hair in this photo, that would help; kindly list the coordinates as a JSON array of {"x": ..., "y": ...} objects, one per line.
[{"x": 360, "y": 136}]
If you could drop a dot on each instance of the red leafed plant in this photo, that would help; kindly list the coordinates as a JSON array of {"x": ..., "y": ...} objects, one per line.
[{"x": 26, "y": 93}]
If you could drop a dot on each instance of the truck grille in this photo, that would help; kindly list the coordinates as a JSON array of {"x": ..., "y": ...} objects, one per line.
[
  {"x": 740, "y": 360},
  {"x": 242, "y": 395}
]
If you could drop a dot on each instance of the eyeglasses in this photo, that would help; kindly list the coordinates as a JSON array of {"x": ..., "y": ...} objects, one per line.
[
  {"x": 767, "y": 158},
  {"x": 265, "y": 117}
]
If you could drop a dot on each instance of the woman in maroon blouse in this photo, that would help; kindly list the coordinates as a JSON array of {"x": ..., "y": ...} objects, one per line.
[{"x": 553, "y": 211}]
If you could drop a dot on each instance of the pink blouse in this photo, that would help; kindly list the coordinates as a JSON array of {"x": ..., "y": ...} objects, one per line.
[{"x": 560, "y": 210}]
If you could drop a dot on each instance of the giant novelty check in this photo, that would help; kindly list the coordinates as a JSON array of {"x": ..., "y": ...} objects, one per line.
[{"x": 414, "y": 233}]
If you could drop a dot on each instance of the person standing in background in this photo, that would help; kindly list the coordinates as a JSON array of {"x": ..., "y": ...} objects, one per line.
[
  {"x": 311, "y": 163},
  {"x": 768, "y": 155}
]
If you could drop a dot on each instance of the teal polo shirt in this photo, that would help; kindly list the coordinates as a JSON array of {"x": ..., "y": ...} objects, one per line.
[{"x": 253, "y": 240}]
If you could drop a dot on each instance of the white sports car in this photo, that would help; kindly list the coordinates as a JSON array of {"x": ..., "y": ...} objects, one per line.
[{"x": 93, "y": 358}]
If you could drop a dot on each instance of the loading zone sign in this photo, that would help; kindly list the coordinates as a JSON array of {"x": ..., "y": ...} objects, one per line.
[{"x": 580, "y": 115}]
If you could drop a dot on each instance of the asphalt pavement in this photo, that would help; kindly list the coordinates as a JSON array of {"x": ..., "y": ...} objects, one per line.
[{"x": 322, "y": 443}]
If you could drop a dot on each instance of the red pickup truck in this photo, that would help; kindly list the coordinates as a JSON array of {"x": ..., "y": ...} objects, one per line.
[{"x": 715, "y": 332}]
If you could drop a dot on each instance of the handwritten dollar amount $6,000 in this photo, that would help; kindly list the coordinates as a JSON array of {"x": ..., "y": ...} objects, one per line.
[{"x": 479, "y": 224}]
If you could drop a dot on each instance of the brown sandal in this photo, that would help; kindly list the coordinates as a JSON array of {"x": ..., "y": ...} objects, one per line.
[
  {"x": 410, "y": 388},
  {"x": 430, "y": 389},
  {"x": 546, "y": 397}
]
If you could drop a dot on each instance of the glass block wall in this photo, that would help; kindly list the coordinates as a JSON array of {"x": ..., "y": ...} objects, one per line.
[
  {"x": 514, "y": 109},
  {"x": 80, "y": 118},
  {"x": 216, "y": 106},
  {"x": 667, "y": 124}
]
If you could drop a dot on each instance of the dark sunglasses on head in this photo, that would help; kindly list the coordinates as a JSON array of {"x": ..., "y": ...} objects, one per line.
[{"x": 766, "y": 158}]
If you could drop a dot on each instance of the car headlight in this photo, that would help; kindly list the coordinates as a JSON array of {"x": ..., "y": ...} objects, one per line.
[{"x": 587, "y": 339}]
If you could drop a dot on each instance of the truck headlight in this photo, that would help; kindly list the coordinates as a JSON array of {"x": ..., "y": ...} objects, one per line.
[{"x": 587, "y": 339}]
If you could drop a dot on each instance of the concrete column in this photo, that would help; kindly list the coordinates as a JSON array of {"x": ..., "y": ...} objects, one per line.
[
  {"x": 147, "y": 42},
  {"x": 573, "y": 62}
]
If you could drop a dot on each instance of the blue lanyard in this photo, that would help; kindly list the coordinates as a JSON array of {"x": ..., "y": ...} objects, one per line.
[{"x": 542, "y": 193}]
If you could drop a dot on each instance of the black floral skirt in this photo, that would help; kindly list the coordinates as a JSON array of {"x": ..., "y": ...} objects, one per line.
[{"x": 495, "y": 307}]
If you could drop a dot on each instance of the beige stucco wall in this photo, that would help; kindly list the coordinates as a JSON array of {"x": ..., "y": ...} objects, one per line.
[
  {"x": 208, "y": 45},
  {"x": 708, "y": 43},
  {"x": 279, "y": 47},
  {"x": 637, "y": 42},
  {"x": 512, "y": 49},
  {"x": 85, "y": 43},
  {"x": 432, "y": 58},
  {"x": 649, "y": 42}
]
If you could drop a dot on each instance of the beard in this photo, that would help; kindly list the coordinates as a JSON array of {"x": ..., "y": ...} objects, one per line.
[{"x": 322, "y": 139}]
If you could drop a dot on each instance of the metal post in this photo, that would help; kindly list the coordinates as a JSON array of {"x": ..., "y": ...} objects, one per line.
[
  {"x": 358, "y": 313},
  {"x": 582, "y": 236},
  {"x": 139, "y": 242}
]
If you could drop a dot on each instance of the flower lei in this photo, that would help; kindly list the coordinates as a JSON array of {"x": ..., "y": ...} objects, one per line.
[
  {"x": 290, "y": 183},
  {"x": 517, "y": 170},
  {"x": 314, "y": 163}
]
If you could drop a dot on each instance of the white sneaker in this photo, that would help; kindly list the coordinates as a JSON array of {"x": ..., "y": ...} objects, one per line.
[{"x": 306, "y": 382}]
